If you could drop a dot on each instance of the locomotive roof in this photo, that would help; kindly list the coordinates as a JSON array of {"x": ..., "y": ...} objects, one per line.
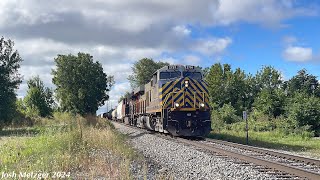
[
  {"x": 138, "y": 90},
  {"x": 179, "y": 67}
]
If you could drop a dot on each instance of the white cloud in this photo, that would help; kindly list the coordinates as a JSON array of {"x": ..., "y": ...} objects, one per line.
[
  {"x": 138, "y": 16},
  {"x": 170, "y": 60},
  {"x": 139, "y": 53},
  {"x": 191, "y": 60},
  {"x": 117, "y": 91},
  {"x": 298, "y": 54},
  {"x": 296, "y": 51},
  {"x": 120, "y": 71},
  {"x": 289, "y": 40},
  {"x": 14, "y": 12},
  {"x": 213, "y": 46},
  {"x": 118, "y": 33},
  {"x": 264, "y": 12},
  {"x": 181, "y": 30}
]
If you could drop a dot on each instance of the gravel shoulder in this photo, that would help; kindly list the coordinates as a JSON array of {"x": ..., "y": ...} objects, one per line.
[{"x": 179, "y": 161}]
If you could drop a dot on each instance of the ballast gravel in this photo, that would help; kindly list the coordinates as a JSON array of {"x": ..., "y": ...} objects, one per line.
[{"x": 186, "y": 162}]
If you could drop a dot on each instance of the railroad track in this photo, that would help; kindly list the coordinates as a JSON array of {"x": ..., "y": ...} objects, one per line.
[{"x": 280, "y": 165}]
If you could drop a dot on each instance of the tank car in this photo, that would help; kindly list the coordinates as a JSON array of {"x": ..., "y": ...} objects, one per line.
[{"x": 114, "y": 114}]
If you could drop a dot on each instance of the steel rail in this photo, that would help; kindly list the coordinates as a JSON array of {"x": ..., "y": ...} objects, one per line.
[
  {"x": 299, "y": 172},
  {"x": 305, "y": 160},
  {"x": 255, "y": 160}
]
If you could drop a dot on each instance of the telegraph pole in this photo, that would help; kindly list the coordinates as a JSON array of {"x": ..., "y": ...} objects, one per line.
[{"x": 244, "y": 114}]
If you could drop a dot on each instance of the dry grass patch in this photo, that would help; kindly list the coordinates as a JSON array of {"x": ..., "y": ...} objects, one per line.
[{"x": 86, "y": 147}]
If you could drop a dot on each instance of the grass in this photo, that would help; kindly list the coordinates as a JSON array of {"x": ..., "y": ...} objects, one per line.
[
  {"x": 272, "y": 139},
  {"x": 85, "y": 147}
]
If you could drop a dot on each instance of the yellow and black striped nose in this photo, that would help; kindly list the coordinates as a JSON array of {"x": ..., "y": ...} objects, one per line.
[{"x": 184, "y": 93}]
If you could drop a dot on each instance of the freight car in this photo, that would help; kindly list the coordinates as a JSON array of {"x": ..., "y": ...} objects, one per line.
[
  {"x": 175, "y": 101},
  {"x": 114, "y": 114}
]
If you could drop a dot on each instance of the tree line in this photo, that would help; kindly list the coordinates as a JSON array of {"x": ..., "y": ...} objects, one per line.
[
  {"x": 265, "y": 94},
  {"x": 81, "y": 87}
]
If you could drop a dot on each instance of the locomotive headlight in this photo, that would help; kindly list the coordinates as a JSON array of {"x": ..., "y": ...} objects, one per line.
[
  {"x": 176, "y": 105},
  {"x": 186, "y": 83},
  {"x": 202, "y": 105}
]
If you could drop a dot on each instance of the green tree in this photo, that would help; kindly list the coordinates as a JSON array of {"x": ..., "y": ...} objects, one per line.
[
  {"x": 238, "y": 92},
  {"x": 217, "y": 84},
  {"x": 250, "y": 91},
  {"x": 226, "y": 86},
  {"x": 269, "y": 97},
  {"x": 303, "y": 82},
  {"x": 305, "y": 111},
  {"x": 205, "y": 71},
  {"x": 143, "y": 71},
  {"x": 82, "y": 86},
  {"x": 39, "y": 99},
  {"x": 9, "y": 79},
  {"x": 270, "y": 102},
  {"x": 268, "y": 78},
  {"x": 126, "y": 95}
]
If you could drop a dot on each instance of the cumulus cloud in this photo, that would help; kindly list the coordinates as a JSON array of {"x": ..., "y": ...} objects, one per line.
[
  {"x": 213, "y": 46},
  {"x": 298, "y": 54},
  {"x": 137, "y": 16},
  {"x": 118, "y": 33},
  {"x": 170, "y": 60},
  {"x": 181, "y": 30},
  {"x": 191, "y": 60},
  {"x": 263, "y": 12}
]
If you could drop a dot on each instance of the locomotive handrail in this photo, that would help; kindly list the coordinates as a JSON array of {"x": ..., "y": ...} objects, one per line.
[{"x": 163, "y": 105}]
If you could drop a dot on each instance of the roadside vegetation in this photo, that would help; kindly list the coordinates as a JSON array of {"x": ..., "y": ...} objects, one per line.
[
  {"x": 55, "y": 130},
  {"x": 77, "y": 146},
  {"x": 51, "y": 131},
  {"x": 282, "y": 114}
]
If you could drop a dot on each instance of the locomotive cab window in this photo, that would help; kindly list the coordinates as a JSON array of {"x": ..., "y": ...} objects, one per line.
[
  {"x": 175, "y": 74},
  {"x": 193, "y": 75},
  {"x": 169, "y": 75},
  {"x": 165, "y": 75}
]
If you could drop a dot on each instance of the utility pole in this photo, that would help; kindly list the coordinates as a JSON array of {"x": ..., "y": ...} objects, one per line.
[{"x": 244, "y": 114}]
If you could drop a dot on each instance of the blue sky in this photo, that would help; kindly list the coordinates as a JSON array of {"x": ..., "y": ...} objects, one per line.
[
  {"x": 244, "y": 33},
  {"x": 254, "y": 45}
]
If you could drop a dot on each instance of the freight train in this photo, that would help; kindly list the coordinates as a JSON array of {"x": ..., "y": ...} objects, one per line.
[{"x": 175, "y": 101}]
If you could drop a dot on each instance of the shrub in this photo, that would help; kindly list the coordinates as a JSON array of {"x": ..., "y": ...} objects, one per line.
[
  {"x": 305, "y": 111},
  {"x": 224, "y": 115},
  {"x": 270, "y": 102},
  {"x": 228, "y": 114}
]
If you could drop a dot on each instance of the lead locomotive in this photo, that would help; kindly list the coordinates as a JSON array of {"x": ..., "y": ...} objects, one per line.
[{"x": 175, "y": 101}]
